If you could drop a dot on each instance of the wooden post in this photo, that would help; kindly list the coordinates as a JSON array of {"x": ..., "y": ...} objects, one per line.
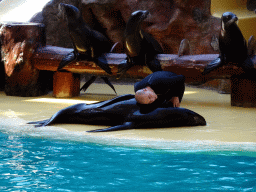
[
  {"x": 243, "y": 91},
  {"x": 66, "y": 84},
  {"x": 19, "y": 41}
]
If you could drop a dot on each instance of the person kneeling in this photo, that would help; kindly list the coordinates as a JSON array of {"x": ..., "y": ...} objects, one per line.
[{"x": 159, "y": 89}]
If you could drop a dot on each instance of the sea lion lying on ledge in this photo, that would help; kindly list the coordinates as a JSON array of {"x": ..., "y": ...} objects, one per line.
[{"x": 123, "y": 113}]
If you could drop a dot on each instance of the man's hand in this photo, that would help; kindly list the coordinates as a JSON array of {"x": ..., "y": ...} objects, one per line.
[{"x": 175, "y": 101}]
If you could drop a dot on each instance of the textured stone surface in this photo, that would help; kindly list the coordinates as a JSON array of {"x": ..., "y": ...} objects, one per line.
[
  {"x": 170, "y": 21},
  {"x": 56, "y": 30},
  {"x": 18, "y": 45},
  {"x": 2, "y": 73}
]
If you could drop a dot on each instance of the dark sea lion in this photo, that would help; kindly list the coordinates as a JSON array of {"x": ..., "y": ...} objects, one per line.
[
  {"x": 88, "y": 44},
  {"x": 232, "y": 45},
  {"x": 140, "y": 47},
  {"x": 123, "y": 113}
]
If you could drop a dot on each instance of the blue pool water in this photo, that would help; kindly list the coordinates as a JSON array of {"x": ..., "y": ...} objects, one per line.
[{"x": 31, "y": 161}]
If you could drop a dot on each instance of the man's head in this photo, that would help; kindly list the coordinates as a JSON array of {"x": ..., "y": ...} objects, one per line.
[{"x": 145, "y": 95}]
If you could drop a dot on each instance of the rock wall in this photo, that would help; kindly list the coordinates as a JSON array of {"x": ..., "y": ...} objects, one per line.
[
  {"x": 18, "y": 43},
  {"x": 2, "y": 72},
  {"x": 170, "y": 22}
]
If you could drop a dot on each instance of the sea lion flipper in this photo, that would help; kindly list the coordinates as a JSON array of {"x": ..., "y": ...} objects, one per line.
[
  {"x": 213, "y": 65},
  {"x": 88, "y": 83},
  {"x": 153, "y": 64},
  {"x": 115, "y": 100},
  {"x": 66, "y": 60},
  {"x": 106, "y": 80},
  {"x": 248, "y": 65},
  {"x": 103, "y": 64},
  {"x": 123, "y": 67},
  {"x": 151, "y": 40},
  {"x": 38, "y": 122},
  {"x": 126, "y": 125}
]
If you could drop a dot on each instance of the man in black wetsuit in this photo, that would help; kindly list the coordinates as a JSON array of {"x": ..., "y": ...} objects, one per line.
[{"x": 160, "y": 89}]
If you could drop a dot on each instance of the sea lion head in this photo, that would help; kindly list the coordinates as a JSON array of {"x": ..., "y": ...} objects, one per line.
[
  {"x": 139, "y": 15},
  {"x": 68, "y": 12},
  {"x": 136, "y": 18},
  {"x": 227, "y": 19}
]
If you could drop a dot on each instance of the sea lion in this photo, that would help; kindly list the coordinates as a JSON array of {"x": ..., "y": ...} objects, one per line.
[
  {"x": 140, "y": 47},
  {"x": 88, "y": 44},
  {"x": 123, "y": 113},
  {"x": 232, "y": 45}
]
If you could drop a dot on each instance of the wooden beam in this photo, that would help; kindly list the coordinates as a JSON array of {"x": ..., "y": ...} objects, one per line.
[{"x": 191, "y": 66}]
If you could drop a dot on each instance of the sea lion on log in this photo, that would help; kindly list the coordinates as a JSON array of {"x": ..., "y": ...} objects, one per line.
[
  {"x": 232, "y": 46},
  {"x": 140, "y": 47},
  {"x": 88, "y": 44}
]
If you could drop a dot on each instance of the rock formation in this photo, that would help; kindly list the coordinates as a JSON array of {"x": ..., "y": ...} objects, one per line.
[{"x": 170, "y": 22}]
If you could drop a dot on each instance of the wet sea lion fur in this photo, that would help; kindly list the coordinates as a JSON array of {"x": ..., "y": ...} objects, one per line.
[{"x": 123, "y": 113}]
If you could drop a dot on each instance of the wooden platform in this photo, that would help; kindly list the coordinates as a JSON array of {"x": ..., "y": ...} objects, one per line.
[{"x": 29, "y": 54}]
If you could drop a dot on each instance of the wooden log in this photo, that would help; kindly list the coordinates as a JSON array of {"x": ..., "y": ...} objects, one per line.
[
  {"x": 243, "y": 90},
  {"x": 66, "y": 84},
  {"x": 191, "y": 66},
  {"x": 19, "y": 41}
]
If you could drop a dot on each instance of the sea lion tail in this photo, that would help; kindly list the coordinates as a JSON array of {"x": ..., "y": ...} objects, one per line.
[
  {"x": 38, "y": 123},
  {"x": 103, "y": 64},
  {"x": 106, "y": 80},
  {"x": 88, "y": 83},
  {"x": 126, "y": 125}
]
